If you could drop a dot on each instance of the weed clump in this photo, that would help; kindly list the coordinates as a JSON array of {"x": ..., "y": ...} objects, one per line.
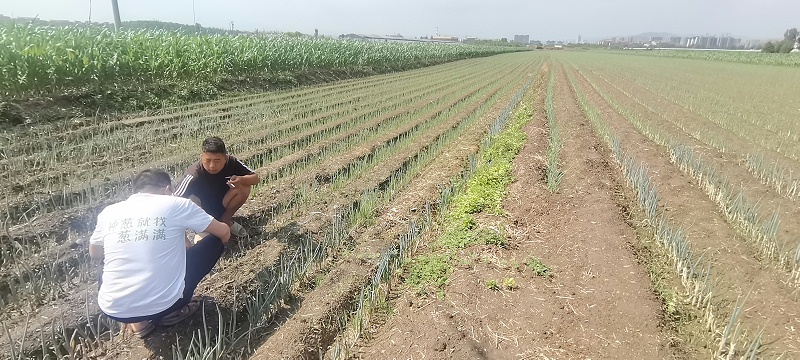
[
  {"x": 509, "y": 284},
  {"x": 428, "y": 270},
  {"x": 539, "y": 268},
  {"x": 492, "y": 285},
  {"x": 482, "y": 193}
]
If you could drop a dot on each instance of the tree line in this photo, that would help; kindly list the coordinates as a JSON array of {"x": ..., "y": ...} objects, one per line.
[{"x": 790, "y": 39}]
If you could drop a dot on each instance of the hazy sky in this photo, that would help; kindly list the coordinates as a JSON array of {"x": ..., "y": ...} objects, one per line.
[{"x": 542, "y": 20}]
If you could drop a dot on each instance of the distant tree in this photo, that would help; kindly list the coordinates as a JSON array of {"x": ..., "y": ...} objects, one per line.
[
  {"x": 503, "y": 40},
  {"x": 785, "y": 46},
  {"x": 790, "y": 35}
]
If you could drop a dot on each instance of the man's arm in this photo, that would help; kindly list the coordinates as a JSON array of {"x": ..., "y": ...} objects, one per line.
[
  {"x": 96, "y": 240},
  {"x": 185, "y": 188},
  {"x": 245, "y": 180},
  {"x": 245, "y": 176},
  {"x": 220, "y": 230}
]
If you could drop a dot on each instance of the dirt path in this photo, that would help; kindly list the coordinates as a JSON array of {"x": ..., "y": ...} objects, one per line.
[{"x": 597, "y": 304}]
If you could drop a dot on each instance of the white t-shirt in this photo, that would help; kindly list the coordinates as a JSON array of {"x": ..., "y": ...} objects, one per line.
[{"x": 145, "y": 253}]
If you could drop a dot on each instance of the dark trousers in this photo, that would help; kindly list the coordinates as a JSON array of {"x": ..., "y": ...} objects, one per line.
[{"x": 200, "y": 259}]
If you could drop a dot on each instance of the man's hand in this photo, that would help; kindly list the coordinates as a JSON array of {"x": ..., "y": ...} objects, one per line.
[
  {"x": 220, "y": 230},
  {"x": 243, "y": 180}
]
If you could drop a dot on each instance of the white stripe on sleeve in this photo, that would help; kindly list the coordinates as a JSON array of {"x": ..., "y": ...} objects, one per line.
[{"x": 183, "y": 186}]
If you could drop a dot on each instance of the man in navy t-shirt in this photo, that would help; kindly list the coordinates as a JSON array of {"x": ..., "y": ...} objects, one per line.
[{"x": 219, "y": 183}]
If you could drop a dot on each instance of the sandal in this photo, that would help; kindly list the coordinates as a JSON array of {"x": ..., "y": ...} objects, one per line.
[
  {"x": 145, "y": 331},
  {"x": 182, "y": 314},
  {"x": 238, "y": 230}
]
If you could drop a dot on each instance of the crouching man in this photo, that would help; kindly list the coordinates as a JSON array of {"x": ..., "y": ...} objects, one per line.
[
  {"x": 220, "y": 183},
  {"x": 148, "y": 275}
]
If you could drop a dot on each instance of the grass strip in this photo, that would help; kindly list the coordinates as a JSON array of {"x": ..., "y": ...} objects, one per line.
[{"x": 482, "y": 192}]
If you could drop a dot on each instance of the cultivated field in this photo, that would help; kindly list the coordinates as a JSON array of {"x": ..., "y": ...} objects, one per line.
[
  {"x": 329, "y": 156},
  {"x": 650, "y": 216},
  {"x": 683, "y": 171}
]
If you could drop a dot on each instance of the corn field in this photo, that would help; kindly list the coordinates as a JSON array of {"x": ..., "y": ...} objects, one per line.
[{"x": 41, "y": 60}]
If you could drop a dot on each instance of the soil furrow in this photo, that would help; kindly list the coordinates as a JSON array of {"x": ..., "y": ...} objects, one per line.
[
  {"x": 766, "y": 198},
  {"x": 326, "y": 200},
  {"x": 735, "y": 266}
]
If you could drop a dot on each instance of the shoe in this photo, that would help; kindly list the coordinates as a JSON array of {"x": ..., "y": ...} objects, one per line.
[
  {"x": 145, "y": 331},
  {"x": 182, "y": 314},
  {"x": 238, "y": 230}
]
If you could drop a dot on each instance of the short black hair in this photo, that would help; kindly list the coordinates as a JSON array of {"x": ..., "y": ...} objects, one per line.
[
  {"x": 155, "y": 178},
  {"x": 214, "y": 145}
]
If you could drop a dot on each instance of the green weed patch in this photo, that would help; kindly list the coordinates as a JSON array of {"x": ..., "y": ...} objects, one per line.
[
  {"x": 483, "y": 192},
  {"x": 428, "y": 270},
  {"x": 539, "y": 268}
]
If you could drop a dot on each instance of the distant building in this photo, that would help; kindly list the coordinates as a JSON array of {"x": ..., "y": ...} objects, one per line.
[
  {"x": 397, "y": 38},
  {"x": 727, "y": 42},
  {"x": 656, "y": 39},
  {"x": 445, "y": 38},
  {"x": 675, "y": 40},
  {"x": 579, "y": 40},
  {"x": 522, "y": 39},
  {"x": 713, "y": 42}
]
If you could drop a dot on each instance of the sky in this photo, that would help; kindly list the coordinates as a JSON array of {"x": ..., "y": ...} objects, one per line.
[{"x": 543, "y": 20}]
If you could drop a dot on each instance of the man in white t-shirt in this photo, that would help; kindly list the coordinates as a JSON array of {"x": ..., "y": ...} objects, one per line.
[{"x": 148, "y": 275}]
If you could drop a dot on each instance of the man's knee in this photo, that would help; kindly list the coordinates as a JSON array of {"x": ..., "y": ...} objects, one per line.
[
  {"x": 243, "y": 190},
  {"x": 241, "y": 193},
  {"x": 202, "y": 257},
  {"x": 211, "y": 244}
]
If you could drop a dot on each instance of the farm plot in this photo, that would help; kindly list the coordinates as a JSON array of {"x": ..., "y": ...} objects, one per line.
[
  {"x": 730, "y": 231},
  {"x": 645, "y": 218},
  {"x": 332, "y": 158},
  {"x": 558, "y": 282},
  {"x": 716, "y": 237}
]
